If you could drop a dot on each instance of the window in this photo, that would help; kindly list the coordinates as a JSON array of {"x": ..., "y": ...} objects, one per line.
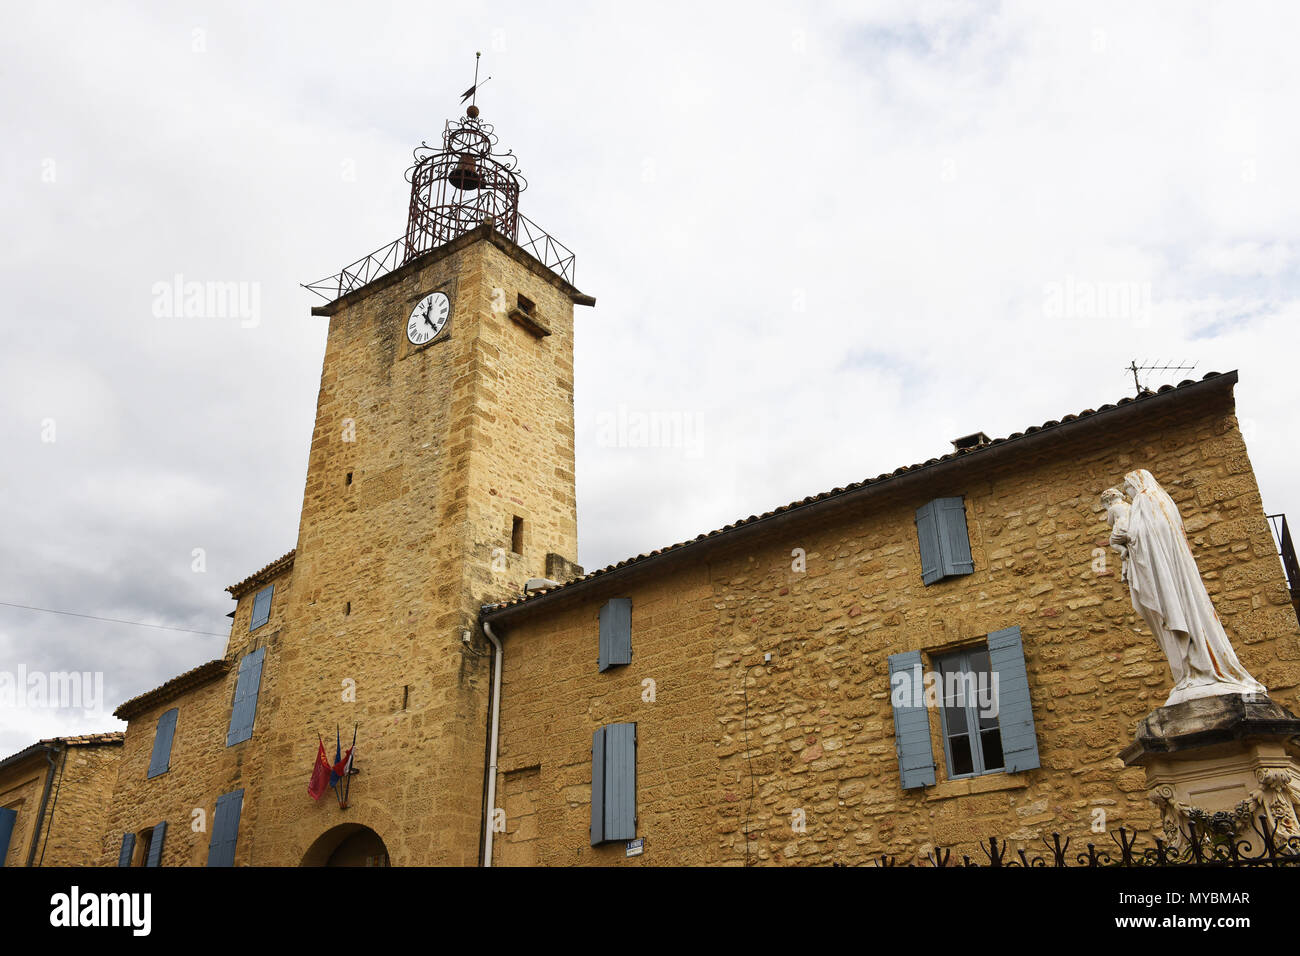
[
  {"x": 261, "y": 607},
  {"x": 517, "y": 535},
  {"x": 7, "y": 818},
  {"x": 613, "y": 783},
  {"x": 615, "y": 633},
  {"x": 972, "y": 740},
  {"x": 225, "y": 829},
  {"x": 161, "y": 759},
  {"x": 244, "y": 709},
  {"x": 524, "y": 303},
  {"x": 942, "y": 537},
  {"x": 986, "y": 718}
]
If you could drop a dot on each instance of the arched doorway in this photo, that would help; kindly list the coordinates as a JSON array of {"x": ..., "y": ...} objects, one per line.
[{"x": 348, "y": 844}]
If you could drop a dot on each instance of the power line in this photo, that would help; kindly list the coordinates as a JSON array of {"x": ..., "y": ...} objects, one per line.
[{"x": 112, "y": 620}]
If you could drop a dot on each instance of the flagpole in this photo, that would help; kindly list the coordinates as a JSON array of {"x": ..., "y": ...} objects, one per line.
[{"x": 352, "y": 752}]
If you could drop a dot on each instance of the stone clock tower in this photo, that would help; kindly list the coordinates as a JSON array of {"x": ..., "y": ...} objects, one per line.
[{"x": 441, "y": 477}]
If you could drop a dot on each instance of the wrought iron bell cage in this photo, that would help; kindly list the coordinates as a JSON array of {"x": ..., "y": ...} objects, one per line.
[{"x": 461, "y": 186}]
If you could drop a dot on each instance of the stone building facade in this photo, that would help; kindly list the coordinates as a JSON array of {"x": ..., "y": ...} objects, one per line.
[
  {"x": 729, "y": 700},
  {"x": 742, "y": 757},
  {"x": 54, "y": 800}
]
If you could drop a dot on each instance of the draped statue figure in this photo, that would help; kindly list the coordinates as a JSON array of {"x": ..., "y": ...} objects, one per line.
[{"x": 1169, "y": 594}]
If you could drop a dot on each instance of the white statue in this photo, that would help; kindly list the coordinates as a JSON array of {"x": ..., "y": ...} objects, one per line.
[
  {"x": 1117, "y": 512},
  {"x": 1169, "y": 595}
]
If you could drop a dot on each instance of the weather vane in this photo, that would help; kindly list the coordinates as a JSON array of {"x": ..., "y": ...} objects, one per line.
[{"x": 472, "y": 93}]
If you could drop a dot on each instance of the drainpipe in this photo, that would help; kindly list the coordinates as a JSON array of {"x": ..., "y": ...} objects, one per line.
[
  {"x": 50, "y": 750},
  {"x": 492, "y": 745}
]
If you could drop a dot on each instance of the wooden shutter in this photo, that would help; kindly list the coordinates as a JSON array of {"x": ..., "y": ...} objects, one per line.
[
  {"x": 911, "y": 722},
  {"x": 598, "y": 786},
  {"x": 954, "y": 539},
  {"x": 1015, "y": 713},
  {"x": 927, "y": 536},
  {"x": 244, "y": 711},
  {"x": 615, "y": 633},
  {"x": 225, "y": 829},
  {"x": 127, "y": 851},
  {"x": 7, "y": 818},
  {"x": 156, "y": 845},
  {"x": 160, "y": 761},
  {"x": 620, "y": 782},
  {"x": 261, "y": 607}
]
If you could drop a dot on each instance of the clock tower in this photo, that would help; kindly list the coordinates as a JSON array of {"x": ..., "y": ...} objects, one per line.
[{"x": 440, "y": 478}]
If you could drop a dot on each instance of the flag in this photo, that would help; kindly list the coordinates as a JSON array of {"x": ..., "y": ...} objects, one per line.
[
  {"x": 320, "y": 774},
  {"x": 335, "y": 772}
]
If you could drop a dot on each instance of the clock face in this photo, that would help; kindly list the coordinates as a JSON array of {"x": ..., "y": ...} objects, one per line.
[{"x": 427, "y": 318}]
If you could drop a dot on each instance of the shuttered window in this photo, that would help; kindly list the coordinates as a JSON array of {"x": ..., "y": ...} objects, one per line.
[
  {"x": 160, "y": 761},
  {"x": 613, "y": 783},
  {"x": 128, "y": 849},
  {"x": 261, "y": 607},
  {"x": 7, "y": 818},
  {"x": 244, "y": 710},
  {"x": 225, "y": 829},
  {"x": 156, "y": 845},
  {"x": 943, "y": 540},
  {"x": 911, "y": 721},
  {"x": 987, "y": 717},
  {"x": 615, "y": 633}
]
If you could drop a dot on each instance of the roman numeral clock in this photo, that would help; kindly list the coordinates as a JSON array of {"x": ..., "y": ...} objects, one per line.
[{"x": 428, "y": 318}]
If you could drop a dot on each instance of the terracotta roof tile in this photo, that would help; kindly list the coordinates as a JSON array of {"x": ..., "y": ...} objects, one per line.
[
  {"x": 279, "y": 565},
  {"x": 173, "y": 688}
]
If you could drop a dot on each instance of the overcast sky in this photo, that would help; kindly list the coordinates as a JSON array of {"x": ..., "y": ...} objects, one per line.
[{"x": 828, "y": 238}]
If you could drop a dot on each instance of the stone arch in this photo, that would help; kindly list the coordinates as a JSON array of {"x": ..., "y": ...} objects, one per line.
[{"x": 348, "y": 844}]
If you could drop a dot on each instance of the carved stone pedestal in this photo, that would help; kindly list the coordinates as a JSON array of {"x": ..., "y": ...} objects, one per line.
[{"x": 1221, "y": 763}]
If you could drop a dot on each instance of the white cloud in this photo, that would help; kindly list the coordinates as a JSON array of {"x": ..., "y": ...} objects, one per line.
[{"x": 915, "y": 176}]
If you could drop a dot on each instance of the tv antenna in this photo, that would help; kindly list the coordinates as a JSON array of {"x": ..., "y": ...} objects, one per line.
[{"x": 1134, "y": 367}]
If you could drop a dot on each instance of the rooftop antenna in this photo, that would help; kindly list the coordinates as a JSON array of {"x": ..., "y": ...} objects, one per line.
[
  {"x": 472, "y": 93},
  {"x": 1134, "y": 367}
]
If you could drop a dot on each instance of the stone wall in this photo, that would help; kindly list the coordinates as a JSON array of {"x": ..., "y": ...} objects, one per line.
[{"x": 202, "y": 767}]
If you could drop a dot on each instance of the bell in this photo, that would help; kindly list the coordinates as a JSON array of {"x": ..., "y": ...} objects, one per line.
[{"x": 466, "y": 176}]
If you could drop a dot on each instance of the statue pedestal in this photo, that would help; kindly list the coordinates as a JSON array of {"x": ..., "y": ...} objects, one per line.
[{"x": 1221, "y": 763}]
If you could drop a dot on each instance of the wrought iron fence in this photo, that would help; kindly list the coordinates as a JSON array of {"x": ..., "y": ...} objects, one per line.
[
  {"x": 1213, "y": 842},
  {"x": 533, "y": 239}
]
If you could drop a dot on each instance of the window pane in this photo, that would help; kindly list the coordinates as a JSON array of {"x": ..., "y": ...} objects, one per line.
[
  {"x": 992, "y": 742},
  {"x": 959, "y": 747}
]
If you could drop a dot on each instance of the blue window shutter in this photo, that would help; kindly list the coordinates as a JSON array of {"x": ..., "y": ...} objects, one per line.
[
  {"x": 225, "y": 829},
  {"x": 156, "y": 845},
  {"x": 927, "y": 536},
  {"x": 620, "y": 782},
  {"x": 615, "y": 633},
  {"x": 911, "y": 723},
  {"x": 1015, "y": 714},
  {"x": 247, "y": 685},
  {"x": 598, "y": 786},
  {"x": 127, "y": 851},
  {"x": 954, "y": 540},
  {"x": 261, "y": 607},
  {"x": 7, "y": 818},
  {"x": 161, "y": 760}
]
